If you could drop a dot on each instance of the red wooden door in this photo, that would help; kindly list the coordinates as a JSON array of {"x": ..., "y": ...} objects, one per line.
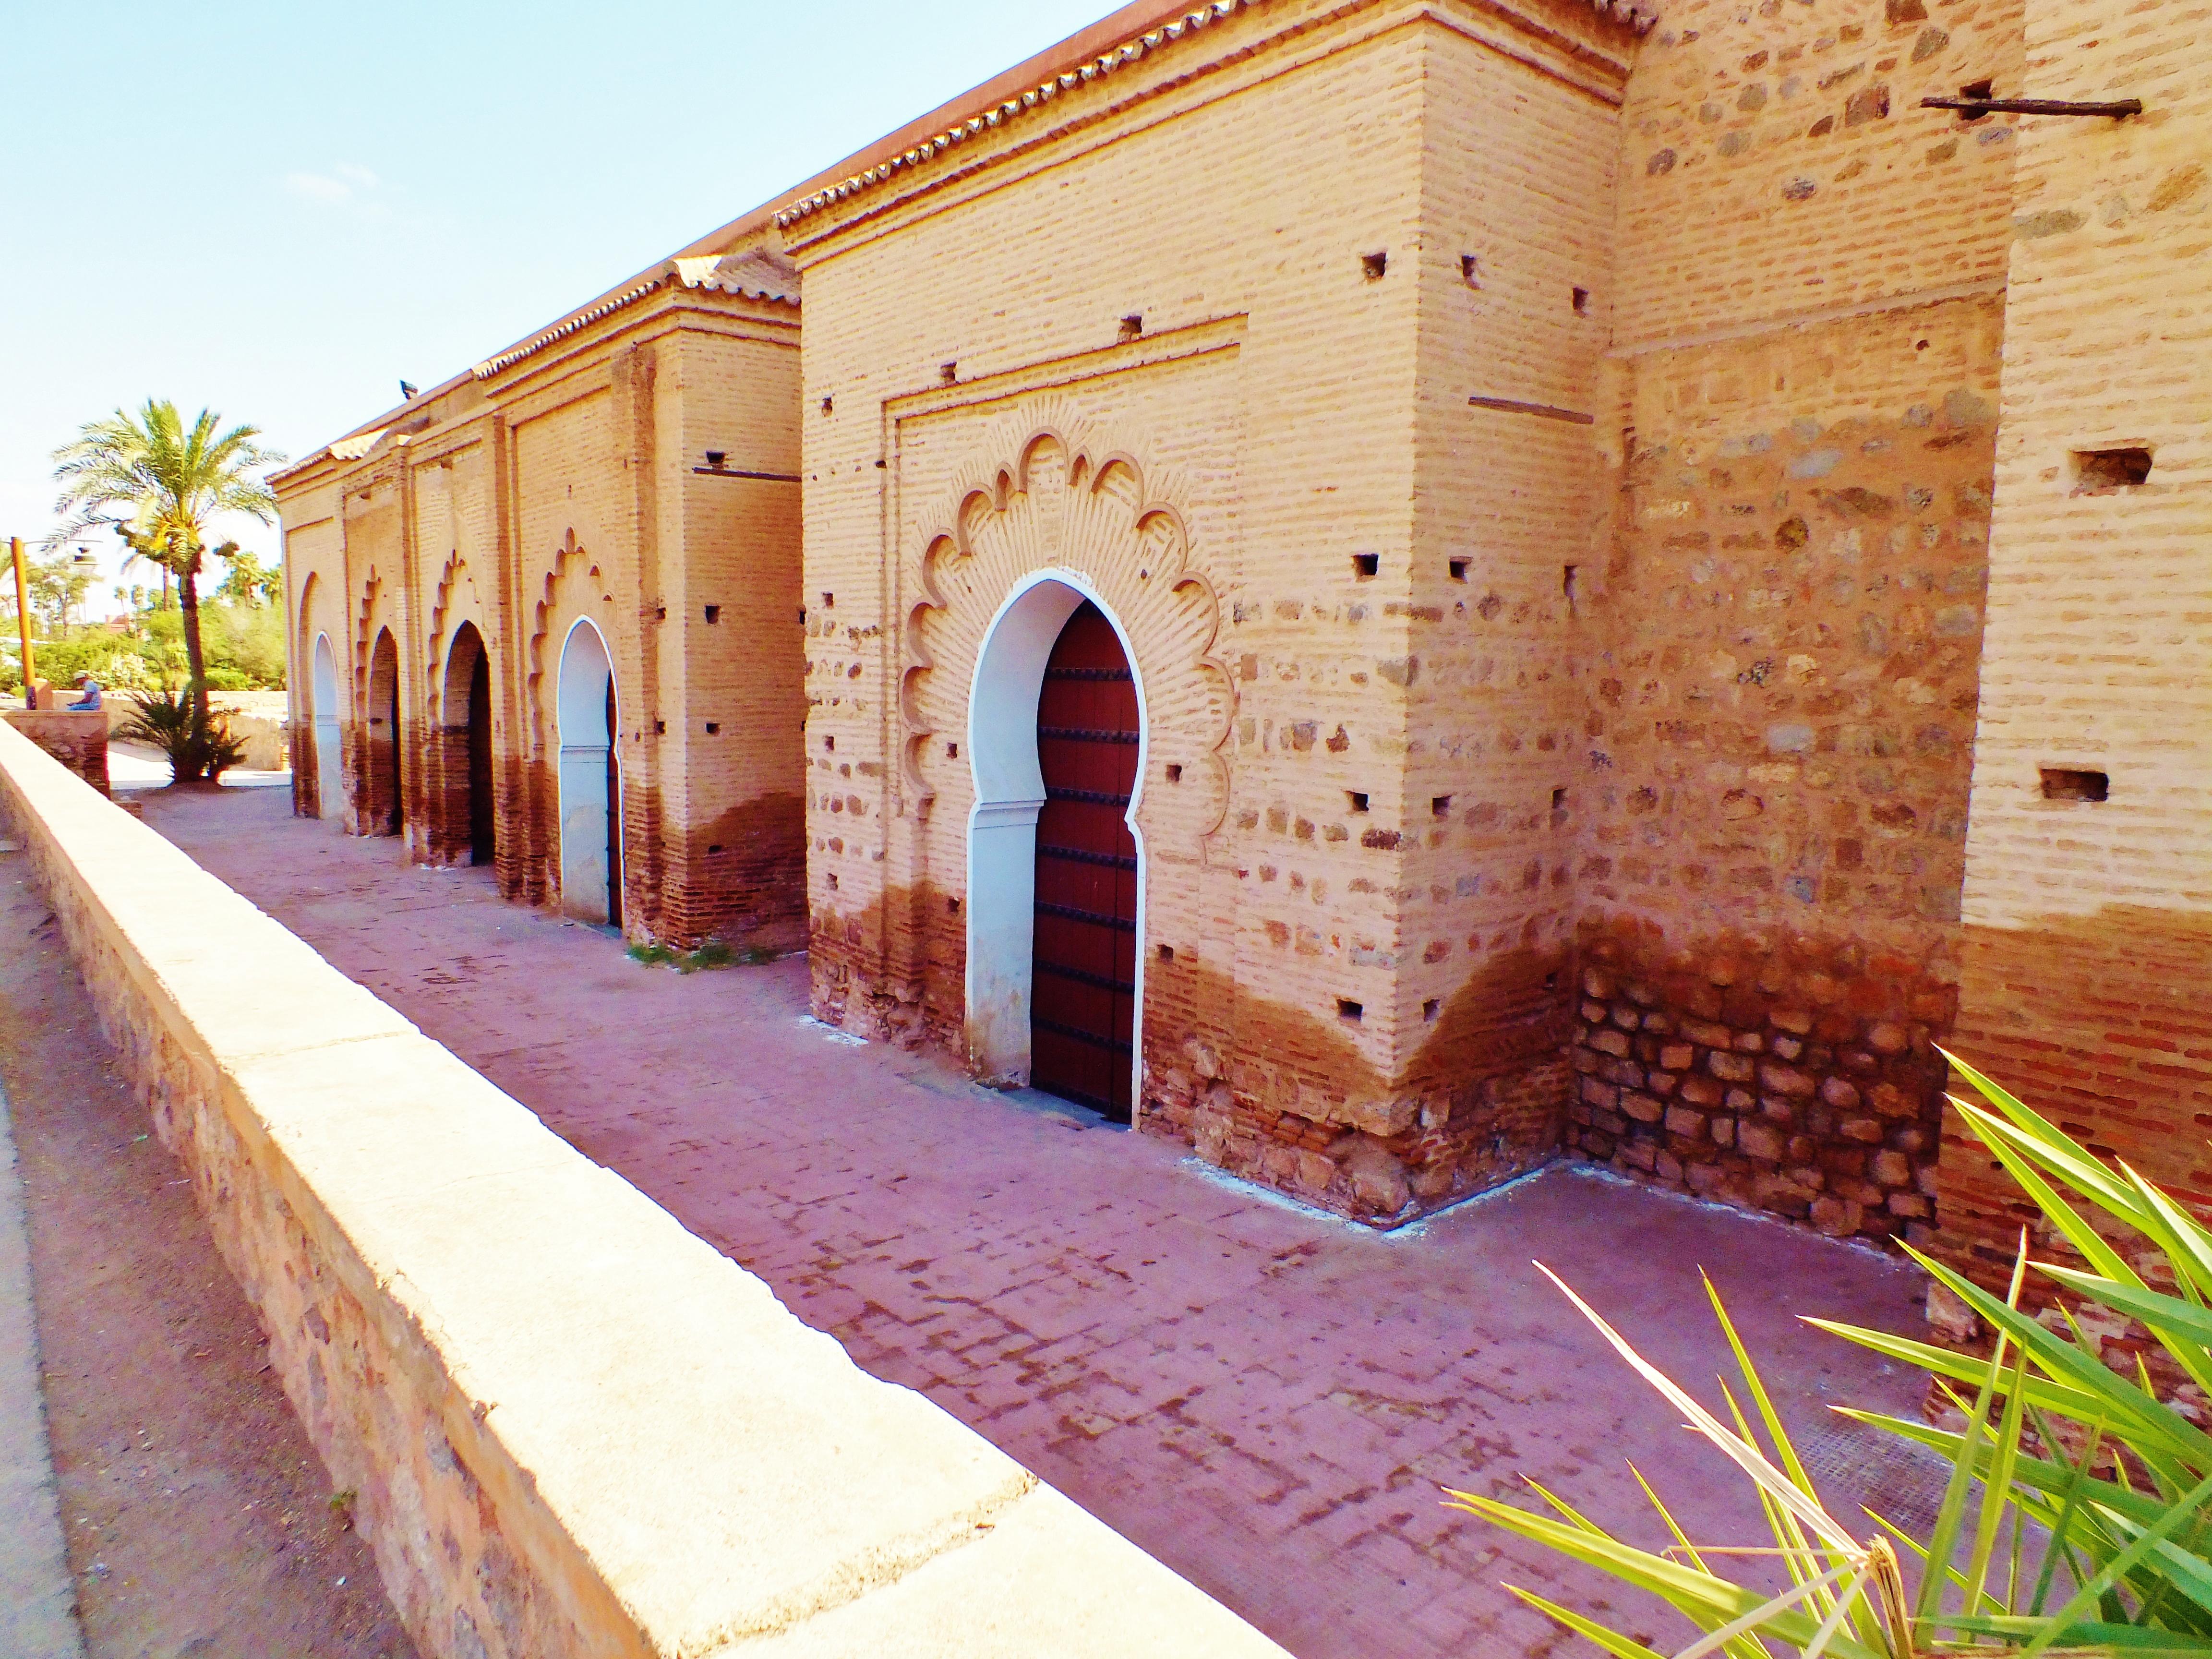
[{"x": 1082, "y": 1000}]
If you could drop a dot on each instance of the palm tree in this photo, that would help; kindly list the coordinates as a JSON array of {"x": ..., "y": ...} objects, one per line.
[{"x": 157, "y": 483}]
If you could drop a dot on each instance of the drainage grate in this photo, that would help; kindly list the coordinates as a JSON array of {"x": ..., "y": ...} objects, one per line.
[{"x": 1852, "y": 1467}]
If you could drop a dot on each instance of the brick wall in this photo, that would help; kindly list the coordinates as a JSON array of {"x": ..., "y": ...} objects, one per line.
[
  {"x": 499, "y": 518},
  {"x": 733, "y": 796},
  {"x": 1551, "y": 507},
  {"x": 1292, "y": 393},
  {"x": 79, "y": 742},
  {"x": 2088, "y": 923}
]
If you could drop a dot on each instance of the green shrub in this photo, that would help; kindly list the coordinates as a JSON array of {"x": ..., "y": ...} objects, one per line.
[
  {"x": 168, "y": 721},
  {"x": 2091, "y": 1533},
  {"x": 712, "y": 954}
]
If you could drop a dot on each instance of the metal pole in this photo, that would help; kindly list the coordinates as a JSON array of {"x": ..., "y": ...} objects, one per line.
[{"x": 23, "y": 615}]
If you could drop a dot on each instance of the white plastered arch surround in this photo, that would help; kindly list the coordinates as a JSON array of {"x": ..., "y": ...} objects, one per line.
[
  {"x": 1009, "y": 783},
  {"x": 585, "y": 675},
  {"x": 330, "y": 749}
]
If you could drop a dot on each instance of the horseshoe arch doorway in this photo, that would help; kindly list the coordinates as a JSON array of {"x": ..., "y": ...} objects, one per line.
[
  {"x": 330, "y": 749},
  {"x": 589, "y": 779},
  {"x": 1055, "y": 866}
]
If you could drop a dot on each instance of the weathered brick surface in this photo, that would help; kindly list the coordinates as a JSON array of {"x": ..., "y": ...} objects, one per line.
[{"x": 2088, "y": 924}]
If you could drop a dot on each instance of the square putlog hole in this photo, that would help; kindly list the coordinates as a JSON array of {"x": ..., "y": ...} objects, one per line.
[
  {"x": 2097, "y": 472},
  {"x": 2070, "y": 783},
  {"x": 1365, "y": 565},
  {"x": 1349, "y": 1011}
]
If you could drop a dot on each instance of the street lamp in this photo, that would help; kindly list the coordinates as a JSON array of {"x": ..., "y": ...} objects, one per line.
[{"x": 83, "y": 565}]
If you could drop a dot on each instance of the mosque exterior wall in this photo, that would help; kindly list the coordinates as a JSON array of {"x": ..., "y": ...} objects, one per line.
[
  {"x": 1237, "y": 416},
  {"x": 1596, "y": 514},
  {"x": 574, "y": 486}
]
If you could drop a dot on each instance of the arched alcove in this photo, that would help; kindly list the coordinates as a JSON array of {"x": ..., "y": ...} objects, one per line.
[
  {"x": 590, "y": 778},
  {"x": 465, "y": 789},
  {"x": 323, "y": 714},
  {"x": 1003, "y": 852},
  {"x": 383, "y": 804}
]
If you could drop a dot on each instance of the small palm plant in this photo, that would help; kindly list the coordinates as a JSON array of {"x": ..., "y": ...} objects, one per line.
[
  {"x": 198, "y": 745},
  {"x": 2091, "y": 1532}
]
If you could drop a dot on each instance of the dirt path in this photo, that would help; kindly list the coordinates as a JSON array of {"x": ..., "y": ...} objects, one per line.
[{"x": 198, "y": 1519}]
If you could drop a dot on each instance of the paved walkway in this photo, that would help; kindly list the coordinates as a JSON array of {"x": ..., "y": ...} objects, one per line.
[
  {"x": 1265, "y": 1398},
  {"x": 37, "y": 1599}
]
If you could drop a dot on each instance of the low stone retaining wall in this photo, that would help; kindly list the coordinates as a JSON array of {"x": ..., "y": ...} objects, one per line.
[
  {"x": 78, "y": 741},
  {"x": 572, "y": 1427}
]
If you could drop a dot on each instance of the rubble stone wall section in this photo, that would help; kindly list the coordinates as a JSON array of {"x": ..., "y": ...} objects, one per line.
[
  {"x": 1781, "y": 620},
  {"x": 78, "y": 741},
  {"x": 572, "y": 1428}
]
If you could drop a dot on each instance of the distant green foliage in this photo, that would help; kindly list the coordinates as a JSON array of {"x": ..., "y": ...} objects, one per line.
[
  {"x": 245, "y": 646},
  {"x": 159, "y": 482},
  {"x": 248, "y": 582}
]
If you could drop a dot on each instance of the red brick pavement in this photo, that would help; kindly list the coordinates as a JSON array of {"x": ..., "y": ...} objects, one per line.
[{"x": 1267, "y": 1398}]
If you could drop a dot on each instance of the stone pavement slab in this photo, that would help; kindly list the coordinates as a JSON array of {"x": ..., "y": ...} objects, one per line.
[
  {"x": 1267, "y": 1399},
  {"x": 38, "y": 1599}
]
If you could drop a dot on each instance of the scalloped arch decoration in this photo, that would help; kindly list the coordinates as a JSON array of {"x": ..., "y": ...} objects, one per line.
[
  {"x": 1047, "y": 495},
  {"x": 304, "y": 628},
  {"x": 369, "y": 616},
  {"x": 572, "y": 588},
  {"x": 456, "y": 601}
]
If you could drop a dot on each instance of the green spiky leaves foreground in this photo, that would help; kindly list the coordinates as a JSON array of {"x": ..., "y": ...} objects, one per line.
[{"x": 2075, "y": 1520}]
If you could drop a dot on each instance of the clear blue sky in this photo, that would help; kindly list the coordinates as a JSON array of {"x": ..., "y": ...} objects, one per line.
[{"x": 279, "y": 211}]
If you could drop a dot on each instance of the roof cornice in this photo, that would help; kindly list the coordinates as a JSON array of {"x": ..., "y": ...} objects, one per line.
[
  {"x": 754, "y": 275},
  {"x": 1639, "y": 14}
]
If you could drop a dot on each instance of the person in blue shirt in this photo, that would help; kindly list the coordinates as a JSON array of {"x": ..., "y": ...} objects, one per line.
[{"x": 87, "y": 693}]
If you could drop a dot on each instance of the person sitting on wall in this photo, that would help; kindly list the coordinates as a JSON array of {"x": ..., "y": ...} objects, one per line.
[{"x": 87, "y": 693}]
